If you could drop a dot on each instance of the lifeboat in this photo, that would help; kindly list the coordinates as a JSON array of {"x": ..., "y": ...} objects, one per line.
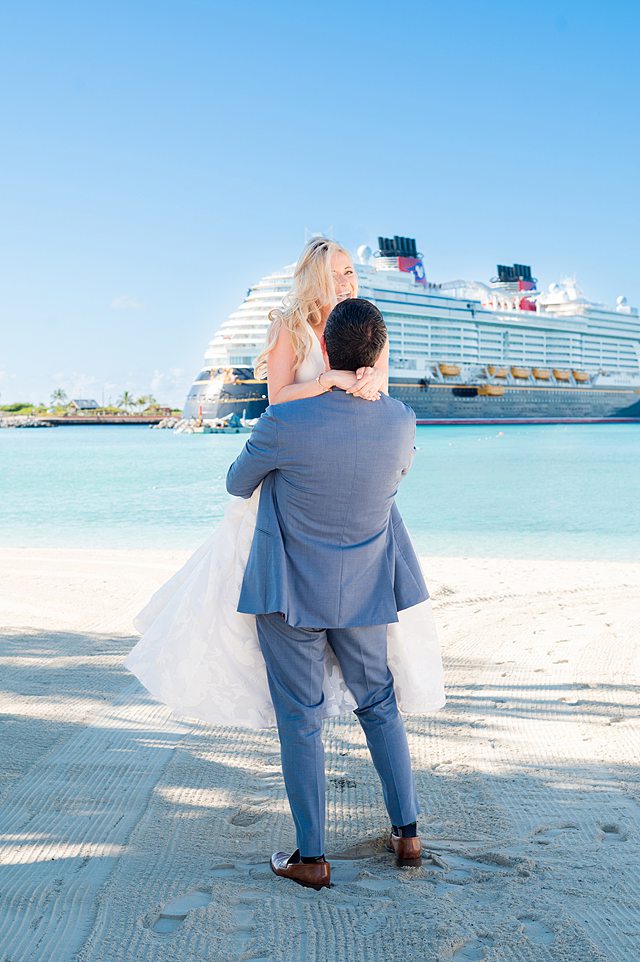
[
  {"x": 491, "y": 390},
  {"x": 580, "y": 376},
  {"x": 449, "y": 370},
  {"x": 560, "y": 375},
  {"x": 497, "y": 371},
  {"x": 541, "y": 374},
  {"x": 521, "y": 372}
]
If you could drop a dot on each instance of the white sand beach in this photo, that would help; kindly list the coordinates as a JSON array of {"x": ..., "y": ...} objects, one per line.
[{"x": 125, "y": 834}]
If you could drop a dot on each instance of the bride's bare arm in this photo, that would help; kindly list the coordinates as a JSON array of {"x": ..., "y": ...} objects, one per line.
[{"x": 281, "y": 377}]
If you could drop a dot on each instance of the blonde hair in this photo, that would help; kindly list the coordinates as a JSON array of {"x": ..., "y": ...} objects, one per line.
[{"x": 313, "y": 288}]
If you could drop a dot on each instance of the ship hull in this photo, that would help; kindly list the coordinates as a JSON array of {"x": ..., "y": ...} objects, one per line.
[{"x": 455, "y": 404}]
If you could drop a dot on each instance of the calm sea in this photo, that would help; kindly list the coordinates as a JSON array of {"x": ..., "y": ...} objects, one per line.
[{"x": 549, "y": 491}]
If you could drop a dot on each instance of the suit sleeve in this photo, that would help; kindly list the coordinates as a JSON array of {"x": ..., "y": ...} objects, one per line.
[
  {"x": 256, "y": 460},
  {"x": 410, "y": 445}
]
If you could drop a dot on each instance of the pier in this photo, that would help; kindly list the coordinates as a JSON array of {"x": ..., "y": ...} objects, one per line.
[
  {"x": 54, "y": 420},
  {"x": 76, "y": 419}
]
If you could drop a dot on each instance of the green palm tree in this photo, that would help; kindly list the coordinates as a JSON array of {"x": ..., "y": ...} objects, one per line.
[
  {"x": 145, "y": 401},
  {"x": 58, "y": 397},
  {"x": 125, "y": 401}
]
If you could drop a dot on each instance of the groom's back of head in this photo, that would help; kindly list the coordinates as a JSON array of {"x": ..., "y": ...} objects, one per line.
[{"x": 354, "y": 335}]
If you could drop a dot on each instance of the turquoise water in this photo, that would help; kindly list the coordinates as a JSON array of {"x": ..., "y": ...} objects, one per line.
[{"x": 536, "y": 491}]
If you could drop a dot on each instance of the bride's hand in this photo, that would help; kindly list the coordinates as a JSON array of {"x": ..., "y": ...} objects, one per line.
[
  {"x": 368, "y": 384},
  {"x": 341, "y": 379}
]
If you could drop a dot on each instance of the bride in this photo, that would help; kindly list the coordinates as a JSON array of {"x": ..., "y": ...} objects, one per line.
[{"x": 198, "y": 654}]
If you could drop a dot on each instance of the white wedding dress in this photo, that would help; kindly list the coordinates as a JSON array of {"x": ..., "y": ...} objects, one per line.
[{"x": 201, "y": 657}]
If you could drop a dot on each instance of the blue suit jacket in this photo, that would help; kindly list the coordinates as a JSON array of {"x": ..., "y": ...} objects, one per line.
[{"x": 330, "y": 549}]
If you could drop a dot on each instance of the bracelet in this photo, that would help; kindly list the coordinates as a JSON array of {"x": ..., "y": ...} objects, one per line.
[{"x": 325, "y": 389}]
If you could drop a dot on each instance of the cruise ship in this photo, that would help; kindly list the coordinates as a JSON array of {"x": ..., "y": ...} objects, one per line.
[{"x": 463, "y": 352}]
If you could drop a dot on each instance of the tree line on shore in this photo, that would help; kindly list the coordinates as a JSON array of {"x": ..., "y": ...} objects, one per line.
[{"x": 60, "y": 404}]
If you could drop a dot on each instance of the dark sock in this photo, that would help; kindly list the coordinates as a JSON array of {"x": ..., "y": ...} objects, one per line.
[
  {"x": 296, "y": 858},
  {"x": 405, "y": 831}
]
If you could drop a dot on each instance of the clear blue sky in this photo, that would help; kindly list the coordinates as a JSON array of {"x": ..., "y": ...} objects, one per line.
[{"x": 157, "y": 158}]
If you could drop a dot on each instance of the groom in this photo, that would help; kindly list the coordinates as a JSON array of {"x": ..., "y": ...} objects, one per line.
[{"x": 331, "y": 563}]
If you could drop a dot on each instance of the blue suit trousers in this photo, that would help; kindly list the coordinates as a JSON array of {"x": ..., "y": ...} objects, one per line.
[{"x": 295, "y": 669}]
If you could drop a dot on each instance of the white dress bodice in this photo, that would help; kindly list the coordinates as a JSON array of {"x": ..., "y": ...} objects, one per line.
[{"x": 313, "y": 363}]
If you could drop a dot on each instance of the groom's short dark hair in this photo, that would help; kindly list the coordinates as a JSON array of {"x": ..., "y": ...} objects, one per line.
[{"x": 354, "y": 334}]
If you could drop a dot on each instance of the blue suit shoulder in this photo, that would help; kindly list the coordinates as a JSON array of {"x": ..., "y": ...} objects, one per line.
[
  {"x": 400, "y": 409},
  {"x": 289, "y": 412},
  {"x": 292, "y": 412}
]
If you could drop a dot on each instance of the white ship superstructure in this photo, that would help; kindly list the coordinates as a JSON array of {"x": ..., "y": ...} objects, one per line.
[
  {"x": 241, "y": 337},
  {"x": 459, "y": 350}
]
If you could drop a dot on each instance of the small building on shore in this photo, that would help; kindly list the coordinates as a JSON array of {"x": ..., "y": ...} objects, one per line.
[{"x": 83, "y": 404}]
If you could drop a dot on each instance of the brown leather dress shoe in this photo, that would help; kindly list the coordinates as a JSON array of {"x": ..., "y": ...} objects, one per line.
[
  {"x": 408, "y": 851},
  {"x": 314, "y": 875}
]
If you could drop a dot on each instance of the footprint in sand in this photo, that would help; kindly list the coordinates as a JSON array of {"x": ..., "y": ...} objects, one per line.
[
  {"x": 459, "y": 869},
  {"x": 546, "y": 834},
  {"x": 474, "y": 878},
  {"x": 243, "y": 904},
  {"x": 474, "y": 950},
  {"x": 536, "y": 931},
  {"x": 246, "y": 816},
  {"x": 243, "y": 923},
  {"x": 367, "y": 849},
  {"x": 352, "y": 872},
  {"x": 612, "y": 833},
  {"x": 173, "y": 914},
  {"x": 227, "y": 870}
]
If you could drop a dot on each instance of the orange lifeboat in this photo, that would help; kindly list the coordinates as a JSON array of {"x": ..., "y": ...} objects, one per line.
[
  {"x": 491, "y": 390},
  {"x": 560, "y": 375},
  {"x": 449, "y": 370},
  {"x": 497, "y": 371},
  {"x": 580, "y": 376},
  {"x": 521, "y": 372},
  {"x": 541, "y": 374}
]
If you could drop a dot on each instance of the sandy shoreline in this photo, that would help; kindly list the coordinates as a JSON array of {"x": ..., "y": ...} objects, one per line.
[{"x": 529, "y": 780}]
